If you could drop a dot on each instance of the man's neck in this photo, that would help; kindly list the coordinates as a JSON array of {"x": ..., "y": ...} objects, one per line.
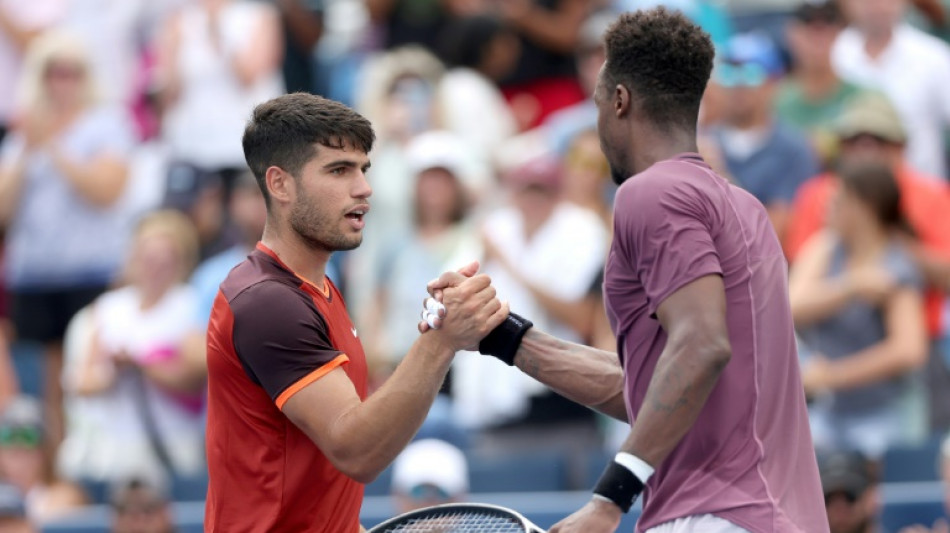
[
  {"x": 293, "y": 251},
  {"x": 875, "y": 43},
  {"x": 653, "y": 146},
  {"x": 818, "y": 83}
]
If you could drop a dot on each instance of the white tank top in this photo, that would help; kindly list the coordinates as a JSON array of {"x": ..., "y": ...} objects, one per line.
[{"x": 206, "y": 123}]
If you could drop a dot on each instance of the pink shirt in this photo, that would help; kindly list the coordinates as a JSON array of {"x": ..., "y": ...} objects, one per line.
[{"x": 748, "y": 458}]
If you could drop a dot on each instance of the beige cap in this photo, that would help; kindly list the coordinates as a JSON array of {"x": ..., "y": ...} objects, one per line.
[{"x": 871, "y": 113}]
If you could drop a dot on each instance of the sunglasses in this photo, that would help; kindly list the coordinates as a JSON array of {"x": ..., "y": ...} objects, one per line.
[
  {"x": 731, "y": 75},
  {"x": 20, "y": 437},
  {"x": 64, "y": 72},
  {"x": 848, "y": 496}
]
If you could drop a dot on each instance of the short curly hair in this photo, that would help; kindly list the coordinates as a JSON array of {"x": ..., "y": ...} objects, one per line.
[{"x": 664, "y": 59}]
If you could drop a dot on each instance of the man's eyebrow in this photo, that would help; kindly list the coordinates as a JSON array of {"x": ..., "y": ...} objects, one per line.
[{"x": 348, "y": 163}]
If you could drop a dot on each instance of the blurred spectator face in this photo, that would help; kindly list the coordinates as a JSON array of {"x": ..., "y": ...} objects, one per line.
[
  {"x": 875, "y": 17},
  {"x": 747, "y": 93},
  {"x": 163, "y": 253},
  {"x": 849, "y": 213},
  {"x": 429, "y": 472},
  {"x": 410, "y": 107},
  {"x": 810, "y": 37},
  {"x": 439, "y": 198},
  {"x": 585, "y": 170},
  {"x": 500, "y": 55},
  {"x": 141, "y": 510},
  {"x": 867, "y": 147},
  {"x": 64, "y": 80},
  {"x": 848, "y": 512},
  {"x": 536, "y": 187}
]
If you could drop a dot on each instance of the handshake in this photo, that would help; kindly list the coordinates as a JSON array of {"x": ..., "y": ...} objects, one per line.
[{"x": 463, "y": 306}]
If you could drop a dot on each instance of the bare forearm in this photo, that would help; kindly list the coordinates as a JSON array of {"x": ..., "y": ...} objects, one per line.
[
  {"x": 550, "y": 30},
  {"x": 880, "y": 362},
  {"x": 374, "y": 432},
  {"x": 100, "y": 182},
  {"x": 585, "y": 375},
  {"x": 681, "y": 383},
  {"x": 20, "y": 37},
  {"x": 818, "y": 301},
  {"x": 11, "y": 183}
]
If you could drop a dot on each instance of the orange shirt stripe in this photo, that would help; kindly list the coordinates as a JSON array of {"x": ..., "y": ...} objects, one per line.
[{"x": 310, "y": 378}]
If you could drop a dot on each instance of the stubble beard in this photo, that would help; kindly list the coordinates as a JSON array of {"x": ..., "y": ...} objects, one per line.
[{"x": 318, "y": 230}]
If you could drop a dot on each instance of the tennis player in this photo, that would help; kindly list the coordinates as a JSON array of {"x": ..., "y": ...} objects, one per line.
[
  {"x": 696, "y": 292},
  {"x": 292, "y": 435}
]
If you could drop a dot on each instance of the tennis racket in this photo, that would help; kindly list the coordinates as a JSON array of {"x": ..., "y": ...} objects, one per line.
[{"x": 459, "y": 518}]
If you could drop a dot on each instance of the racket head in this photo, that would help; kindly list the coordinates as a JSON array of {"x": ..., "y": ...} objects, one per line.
[{"x": 459, "y": 518}]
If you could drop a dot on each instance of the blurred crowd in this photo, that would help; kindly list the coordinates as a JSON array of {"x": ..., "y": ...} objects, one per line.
[{"x": 125, "y": 200}]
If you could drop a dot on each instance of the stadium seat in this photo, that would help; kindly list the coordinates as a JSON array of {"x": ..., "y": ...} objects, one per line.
[
  {"x": 538, "y": 471},
  {"x": 190, "y": 488},
  {"x": 912, "y": 463},
  {"x": 898, "y": 515}
]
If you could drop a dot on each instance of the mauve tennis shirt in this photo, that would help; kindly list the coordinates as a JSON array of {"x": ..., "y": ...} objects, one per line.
[{"x": 749, "y": 457}]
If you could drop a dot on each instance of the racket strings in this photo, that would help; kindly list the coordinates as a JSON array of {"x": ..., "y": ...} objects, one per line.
[{"x": 459, "y": 522}]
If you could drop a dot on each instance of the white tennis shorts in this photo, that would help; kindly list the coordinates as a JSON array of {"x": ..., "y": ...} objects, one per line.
[{"x": 705, "y": 523}]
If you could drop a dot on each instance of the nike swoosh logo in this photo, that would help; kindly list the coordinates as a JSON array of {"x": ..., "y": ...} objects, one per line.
[{"x": 354, "y": 332}]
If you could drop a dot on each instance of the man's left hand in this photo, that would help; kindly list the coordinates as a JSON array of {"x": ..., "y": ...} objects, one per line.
[{"x": 596, "y": 517}]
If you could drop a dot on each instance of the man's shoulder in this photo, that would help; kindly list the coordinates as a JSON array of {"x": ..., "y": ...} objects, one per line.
[{"x": 259, "y": 278}]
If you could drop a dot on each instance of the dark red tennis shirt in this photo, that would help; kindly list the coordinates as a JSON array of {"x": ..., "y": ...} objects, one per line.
[{"x": 271, "y": 334}]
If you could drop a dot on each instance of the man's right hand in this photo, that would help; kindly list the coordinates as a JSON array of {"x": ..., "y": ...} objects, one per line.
[{"x": 472, "y": 309}]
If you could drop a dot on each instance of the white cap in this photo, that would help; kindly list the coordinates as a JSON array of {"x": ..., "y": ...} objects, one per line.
[
  {"x": 431, "y": 462},
  {"x": 440, "y": 149}
]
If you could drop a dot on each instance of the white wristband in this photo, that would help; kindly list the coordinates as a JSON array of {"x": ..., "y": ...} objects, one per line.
[{"x": 635, "y": 465}]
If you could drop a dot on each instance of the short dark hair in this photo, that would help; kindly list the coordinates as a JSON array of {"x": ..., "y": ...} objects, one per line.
[
  {"x": 664, "y": 60},
  {"x": 282, "y": 132}
]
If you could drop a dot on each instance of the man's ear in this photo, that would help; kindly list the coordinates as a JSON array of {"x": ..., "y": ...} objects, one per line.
[
  {"x": 281, "y": 186},
  {"x": 622, "y": 101}
]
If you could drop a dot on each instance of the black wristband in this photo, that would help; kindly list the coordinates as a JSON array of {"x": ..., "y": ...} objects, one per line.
[
  {"x": 504, "y": 340},
  {"x": 619, "y": 485}
]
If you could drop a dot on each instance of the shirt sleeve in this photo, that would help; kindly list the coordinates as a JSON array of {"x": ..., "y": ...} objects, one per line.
[
  {"x": 281, "y": 339},
  {"x": 664, "y": 228}
]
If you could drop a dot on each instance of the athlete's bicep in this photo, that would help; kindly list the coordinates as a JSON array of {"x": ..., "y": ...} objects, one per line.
[
  {"x": 695, "y": 314},
  {"x": 317, "y": 407}
]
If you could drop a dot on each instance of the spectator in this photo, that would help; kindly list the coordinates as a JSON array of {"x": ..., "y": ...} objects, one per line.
[
  {"x": 541, "y": 253},
  {"x": 201, "y": 195},
  {"x": 24, "y": 464},
  {"x": 851, "y": 492},
  {"x": 479, "y": 52},
  {"x": 429, "y": 472},
  {"x": 62, "y": 176},
  {"x": 870, "y": 130},
  {"x": 302, "y": 24},
  {"x": 20, "y": 23},
  {"x": 13, "y": 511},
  {"x": 882, "y": 52},
  {"x": 141, "y": 507},
  {"x": 760, "y": 152},
  {"x": 149, "y": 421},
  {"x": 856, "y": 302},
  {"x": 417, "y": 23},
  {"x": 812, "y": 97},
  {"x": 217, "y": 59},
  {"x": 564, "y": 124},
  {"x": 545, "y": 79},
  {"x": 441, "y": 239}
]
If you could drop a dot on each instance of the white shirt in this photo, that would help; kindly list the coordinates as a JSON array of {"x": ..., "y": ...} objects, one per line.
[
  {"x": 204, "y": 126},
  {"x": 108, "y": 439},
  {"x": 914, "y": 72},
  {"x": 31, "y": 16},
  {"x": 564, "y": 256}
]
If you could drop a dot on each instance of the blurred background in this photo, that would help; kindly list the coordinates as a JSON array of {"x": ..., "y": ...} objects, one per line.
[{"x": 125, "y": 200}]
